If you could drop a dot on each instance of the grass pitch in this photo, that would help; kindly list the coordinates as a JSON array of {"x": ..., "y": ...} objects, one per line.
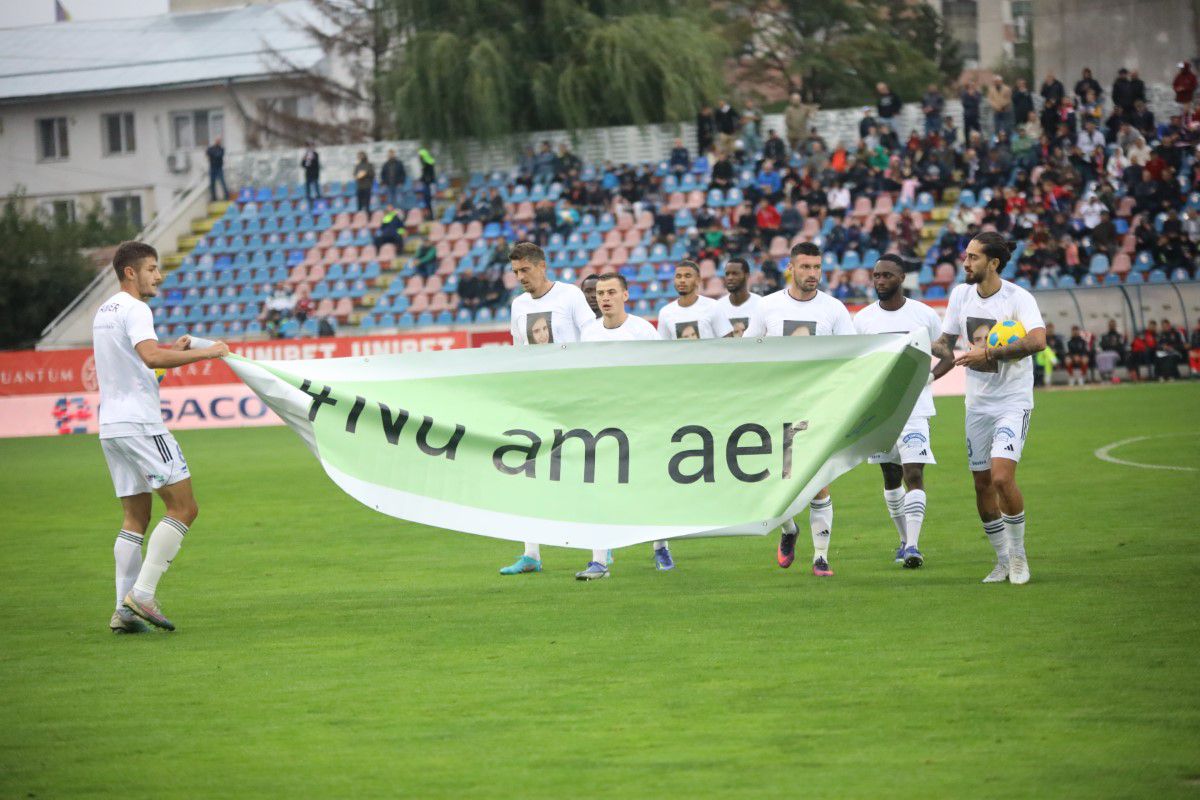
[{"x": 327, "y": 651}]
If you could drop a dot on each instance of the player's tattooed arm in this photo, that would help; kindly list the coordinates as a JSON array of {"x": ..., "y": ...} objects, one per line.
[
  {"x": 1032, "y": 343},
  {"x": 943, "y": 349}
]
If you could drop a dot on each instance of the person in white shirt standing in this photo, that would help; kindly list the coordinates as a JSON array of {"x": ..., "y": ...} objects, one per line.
[
  {"x": 904, "y": 465},
  {"x": 999, "y": 394},
  {"x": 143, "y": 457},
  {"x": 548, "y": 312},
  {"x": 692, "y": 316},
  {"x": 801, "y": 309},
  {"x": 617, "y": 325},
  {"x": 740, "y": 304}
]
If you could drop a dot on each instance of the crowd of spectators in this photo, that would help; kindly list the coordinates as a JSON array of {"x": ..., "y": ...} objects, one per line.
[{"x": 1155, "y": 353}]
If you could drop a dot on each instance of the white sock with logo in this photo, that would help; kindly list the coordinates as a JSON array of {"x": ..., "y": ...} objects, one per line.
[
  {"x": 1015, "y": 529},
  {"x": 600, "y": 556},
  {"x": 895, "y": 505},
  {"x": 533, "y": 550},
  {"x": 994, "y": 530},
  {"x": 127, "y": 553},
  {"x": 914, "y": 515},
  {"x": 164, "y": 544},
  {"x": 820, "y": 520}
]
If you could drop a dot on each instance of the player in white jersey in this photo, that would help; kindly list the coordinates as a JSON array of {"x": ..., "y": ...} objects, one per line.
[
  {"x": 740, "y": 304},
  {"x": 617, "y": 325},
  {"x": 142, "y": 455},
  {"x": 999, "y": 394},
  {"x": 904, "y": 465},
  {"x": 692, "y": 316},
  {"x": 548, "y": 312},
  {"x": 800, "y": 309}
]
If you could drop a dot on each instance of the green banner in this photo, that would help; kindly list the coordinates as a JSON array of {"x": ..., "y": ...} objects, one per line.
[{"x": 600, "y": 445}]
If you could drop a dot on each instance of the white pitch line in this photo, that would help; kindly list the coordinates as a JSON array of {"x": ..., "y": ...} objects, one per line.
[{"x": 1103, "y": 452}]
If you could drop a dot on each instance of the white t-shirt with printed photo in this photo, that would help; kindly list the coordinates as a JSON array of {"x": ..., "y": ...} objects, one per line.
[
  {"x": 875, "y": 319},
  {"x": 129, "y": 404},
  {"x": 739, "y": 317},
  {"x": 1005, "y": 385},
  {"x": 633, "y": 329},
  {"x": 701, "y": 320},
  {"x": 557, "y": 316},
  {"x": 780, "y": 314}
]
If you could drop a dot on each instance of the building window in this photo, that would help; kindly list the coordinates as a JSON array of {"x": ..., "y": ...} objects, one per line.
[
  {"x": 62, "y": 212},
  {"x": 117, "y": 133},
  {"x": 197, "y": 128},
  {"x": 126, "y": 207},
  {"x": 52, "y": 139}
]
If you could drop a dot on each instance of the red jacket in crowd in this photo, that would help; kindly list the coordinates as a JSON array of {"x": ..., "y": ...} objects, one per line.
[{"x": 1184, "y": 84}]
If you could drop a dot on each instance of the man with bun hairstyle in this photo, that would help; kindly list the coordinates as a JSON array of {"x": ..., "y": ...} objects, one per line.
[{"x": 999, "y": 394}]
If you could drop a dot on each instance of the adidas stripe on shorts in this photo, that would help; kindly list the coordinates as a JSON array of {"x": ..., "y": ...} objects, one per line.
[
  {"x": 140, "y": 464},
  {"x": 913, "y": 446},
  {"x": 996, "y": 435}
]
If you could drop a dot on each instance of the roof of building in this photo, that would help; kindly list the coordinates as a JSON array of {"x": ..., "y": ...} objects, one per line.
[{"x": 70, "y": 58}]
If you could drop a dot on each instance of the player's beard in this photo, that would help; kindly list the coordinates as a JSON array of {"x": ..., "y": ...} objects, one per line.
[{"x": 886, "y": 297}]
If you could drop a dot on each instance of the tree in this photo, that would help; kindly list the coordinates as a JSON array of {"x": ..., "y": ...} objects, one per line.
[
  {"x": 832, "y": 51},
  {"x": 357, "y": 38},
  {"x": 488, "y": 70},
  {"x": 43, "y": 267}
]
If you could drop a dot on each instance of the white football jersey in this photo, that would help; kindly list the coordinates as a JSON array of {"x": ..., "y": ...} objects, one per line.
[
  {"x": 129, "y": 404},
  {"x": 557, "y": 316},
  {"x": 1007, "y": 384},
  {"x": 700, "y": 320},
  {"x": 739, "y": 316},
  {"x": 780, "y": 314},
  {"x": 633, "y": 329},
  {"x": 909, "y": 317}
]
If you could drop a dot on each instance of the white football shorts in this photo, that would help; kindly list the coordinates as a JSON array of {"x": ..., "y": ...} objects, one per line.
[
  {"x": 913, "y": 446},
  {"x": 140, "y": 464},
  {"x": 996, "y": 435}
]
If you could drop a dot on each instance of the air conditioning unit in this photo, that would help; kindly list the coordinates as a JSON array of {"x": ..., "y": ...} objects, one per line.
[{"x": 180, "y": 161}]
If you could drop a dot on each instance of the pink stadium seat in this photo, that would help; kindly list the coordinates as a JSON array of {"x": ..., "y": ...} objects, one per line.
[
  {"x": 349, "y": 254},
  {"x": 474, "y": 230},
  {"x": 1121, "y": 263},
  {"x": 387, "y": 252},
  {"x": 438, "y": 304},
  {"x": 645, "y": 221},
  {"x": 695, "y": 199},
  {"x": 444, "y": 248},
  {"x": 862, "y": 207},
  {"x": 434, "y": 284},
  {"x": 860, "y": 278},
  {"x": 1126, "y": 206},
  {"x": 779, "y": 248},
  {"x": 586, "y": 272},
  {"x": 714, "y": 287},
  {"x": 1129, "y": 244},
  {"x": 613, "y": 238},
  {"x": 524, "y": 212},
  {"x": 812, "y": 227},
  {"x": 883, "y": 204},
  {"x": 331, "y": 256},
  {"x": 360, "y": 220},
  {"x": 437, "y": 232},
  {"x": 420, "y": 303},
  {"x": 414, "y": 286},
  {"x": 461, "y": 248},
  {"x": 447, "y": 266},
  {"x": 455, "y": 231},
  {"x": 340, "y": 223},
  {"x": 368, "y": 253},
  {"x": 298, "y": 274},
  {"x": 376, "y": 219},
  {"x": 325, "y": 307},
  {"x": 708, "y": 269},
  {"x": 343, "y": 309},
  {"x": 618, "y": 257},
  {"x": 944, "y": 274},
  {"x": 676, "y": 201},
  {"x": 510, "y": 280},
  {"x": 599, "y": 257},
  {"x": 315, "y": 273},
  {"x": 327, "y": 239},
  {"x": 414, "y": 218},
  {"x": 633, "y": 238},
  {"x": 624, "y": 221}
]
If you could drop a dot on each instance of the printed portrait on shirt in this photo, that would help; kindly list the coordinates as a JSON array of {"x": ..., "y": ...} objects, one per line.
[
  {"x": 739, "y": 326},
  {"x": 539, "y": 328},
  {"x": 799, "y": 327},
  {"x": 687, "y": 330},
  {"x": 978, "y": 329}
]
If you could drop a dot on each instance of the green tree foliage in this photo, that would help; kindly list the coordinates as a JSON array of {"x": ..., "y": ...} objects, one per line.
[
  {"x": 470, "y": 68},
  {"x": 43, "y": 268},
  {"x": 835, "y": 51}
]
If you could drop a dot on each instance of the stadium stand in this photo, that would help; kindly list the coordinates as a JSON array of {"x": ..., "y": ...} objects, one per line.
[{"x": 1126, "y": 212}]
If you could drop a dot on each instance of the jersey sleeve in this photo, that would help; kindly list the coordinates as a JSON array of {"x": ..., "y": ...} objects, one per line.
[
  {"x": 518, "y": 336},
  {"x": 843, "y": 324},
  {"x": 1028, "y": 313},
  {"x": 139, "y": 324},
  {"x": 719, "y": 322},
  {"x": 951, "y": 323},
  {"x": 581, "y": 312},
  {"x": 756, "y": 326}
]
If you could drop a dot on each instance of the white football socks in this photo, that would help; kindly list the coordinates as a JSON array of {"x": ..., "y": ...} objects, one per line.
[
  {"x": 127, "y": 553},
  {"x": 994, "y": 530},
  {"x": 820, "y": 520},
  {"x": 895, "y": 505},
  {"x": 1015, "y": 528},
  {"x": 914, "y": 515},
  {"x": 164, "y": 544},
  {"x": 660, "y": 544},
  {"x": 533, "y": 550},
  {"x": 600, "y": 556}
]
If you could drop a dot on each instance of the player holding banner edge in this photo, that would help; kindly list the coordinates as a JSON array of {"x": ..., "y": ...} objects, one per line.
[{"x": 999, "y": 397}]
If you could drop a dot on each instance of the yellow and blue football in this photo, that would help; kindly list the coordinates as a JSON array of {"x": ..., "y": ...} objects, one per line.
[{"x": 1004, "y": 332}]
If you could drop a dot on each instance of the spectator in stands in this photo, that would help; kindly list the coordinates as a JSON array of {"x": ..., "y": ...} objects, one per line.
[
  {"x": 768, "y": 221},
  {"x": 425, "y": 259},
  {"x": 470, "y": 292},
  {"x": 1056, "y": 343},
  {"x": 1184, "y": 85},
  {"x": 428, "y": 177},
  {"x": 888, "y": 104},
  {"x": 543, "y": 164},
  {"x": 364, "y": 181},
  {"x": 494, "y": 293},
  {"x": 680, "y": 161},
  {"x": 1122, "y": 91},
  {"x": 1079, "y": 357},
  {"x": 1052, "y": 90},
  {"x": 1085, "y": 84},
  {"x": 751, "y": 128},
  {"x": 391, "y": 228},
  {"x": 1000, "y": 100},
  {"x": 796, "y": 121},
  {"x": 302, "y": 308},
  {"x": 933, "y": 105},
  {"x": 1172, "y": 349},
  {"x": 774, "y": 149},
  {"x": 1022, "y": 102},
  {"x": 706, "y": 130},
  {"x": 326, "y": 327},
  {"x": 1142, "y": 119},
  {"x": 971, "y": 101},
  {"x": 722, "y": 173},
  {"x": 567, "y": 165},
  {"x": 727, "y": 119},
  {"x": 216, "y": 170},
  {"x": 393, "y": 176},
  {"x": 311, "y": 162}
]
